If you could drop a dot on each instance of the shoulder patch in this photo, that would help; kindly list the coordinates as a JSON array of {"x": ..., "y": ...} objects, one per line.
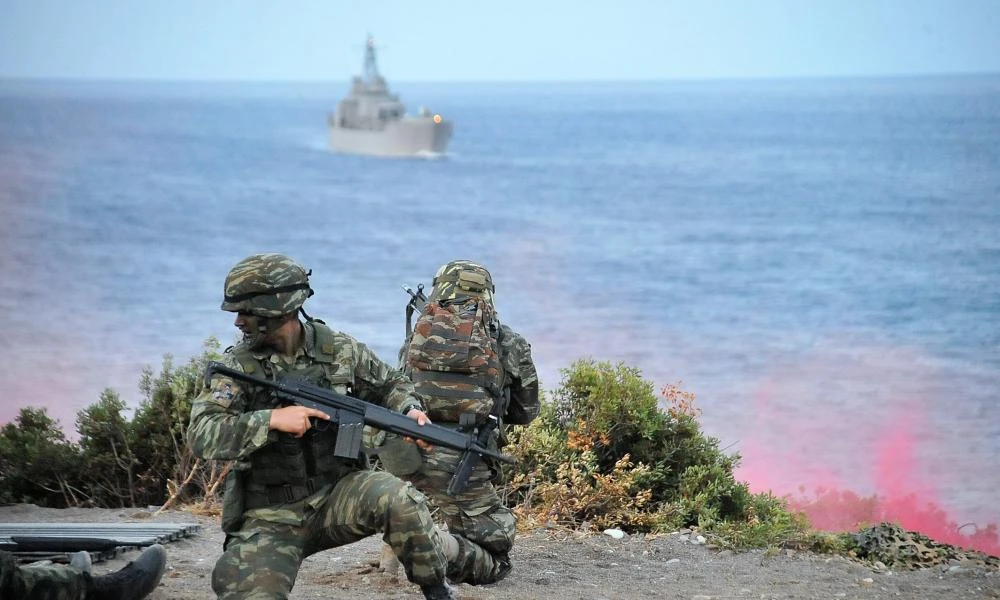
[{"x": 224, "y": 394}]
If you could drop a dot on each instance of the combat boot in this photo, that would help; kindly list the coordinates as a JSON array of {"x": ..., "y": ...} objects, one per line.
[
  {"x": 504, "y": 566},
  {"x": 134, "y": 581},
  {"x": 438, "y": 591}
]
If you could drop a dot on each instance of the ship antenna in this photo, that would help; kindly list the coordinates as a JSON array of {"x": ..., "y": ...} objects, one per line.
[{"x": 371, "y": 69}]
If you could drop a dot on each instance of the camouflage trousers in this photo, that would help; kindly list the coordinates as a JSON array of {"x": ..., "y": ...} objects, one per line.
[
  {"x": 262, "y": 559},
  {"x": 484, "y": 527},
  {"x": 40, "y": 582}
]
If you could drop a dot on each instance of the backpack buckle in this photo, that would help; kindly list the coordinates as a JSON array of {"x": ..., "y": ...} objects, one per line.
[{"x": 467, "y": 421}]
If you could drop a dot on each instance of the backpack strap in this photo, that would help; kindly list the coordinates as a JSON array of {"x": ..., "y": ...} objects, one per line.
[
  {"x": 325, "y": 348},
  {"x": 503, "y": 401}
]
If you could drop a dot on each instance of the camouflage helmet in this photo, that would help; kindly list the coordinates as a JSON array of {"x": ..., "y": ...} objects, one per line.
[
  {"x": 462, "y": 277},
  {"x": 266, "y": 285}
]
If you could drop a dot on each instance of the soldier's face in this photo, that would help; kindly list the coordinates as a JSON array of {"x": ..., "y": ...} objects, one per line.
[{"x": 254, "y": 329}]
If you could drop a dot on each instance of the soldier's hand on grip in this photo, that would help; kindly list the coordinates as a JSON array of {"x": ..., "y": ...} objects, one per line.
[
  {"x": 295, "y": 419},
  {"x": 422, "y": 419}
]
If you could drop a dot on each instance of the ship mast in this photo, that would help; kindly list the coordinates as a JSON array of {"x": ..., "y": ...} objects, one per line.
[{"x": 370, "y": 68}]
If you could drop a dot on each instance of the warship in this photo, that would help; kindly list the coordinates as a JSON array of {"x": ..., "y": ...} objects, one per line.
[{"x": 370, "y": 120}]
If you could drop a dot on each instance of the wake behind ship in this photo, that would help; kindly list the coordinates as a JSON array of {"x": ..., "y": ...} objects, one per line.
[{"x": 370, "y": 120}]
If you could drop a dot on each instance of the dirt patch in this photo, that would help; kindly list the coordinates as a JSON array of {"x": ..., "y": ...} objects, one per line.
[{"x": 558, "y": 566}]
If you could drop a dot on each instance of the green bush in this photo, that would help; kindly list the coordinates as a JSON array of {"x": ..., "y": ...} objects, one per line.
[
  {"x": 37, "y": 464},
  {"x": 166, "y": 462},
  {"x": 108, "y": 461},
  {"x": 606, "y": 451},
  {"x": 117, "y": 461}
]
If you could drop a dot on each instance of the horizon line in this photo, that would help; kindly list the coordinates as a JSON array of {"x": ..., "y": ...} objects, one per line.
[{"x": 693, "y": 79}]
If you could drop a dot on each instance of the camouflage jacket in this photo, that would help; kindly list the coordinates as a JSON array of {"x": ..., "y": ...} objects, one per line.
[
  {"x": 521, "y": 377},
  {"x": 223, "y": 426},
  {"x": 231, "y": 423}
]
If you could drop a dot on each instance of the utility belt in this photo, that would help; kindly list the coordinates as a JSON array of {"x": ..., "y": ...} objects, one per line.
[{"x": 261, "y": 496}]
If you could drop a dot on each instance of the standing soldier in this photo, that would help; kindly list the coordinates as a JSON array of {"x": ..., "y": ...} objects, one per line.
[
  {"x": 287, "y": 495},
  {"x": 472, "y": 372}
]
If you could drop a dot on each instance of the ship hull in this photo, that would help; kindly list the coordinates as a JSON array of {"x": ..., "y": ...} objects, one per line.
[{"x": 404, "y": 137}]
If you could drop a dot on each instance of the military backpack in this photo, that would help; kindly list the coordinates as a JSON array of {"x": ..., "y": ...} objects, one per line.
[{"x": 453, "y": 352}]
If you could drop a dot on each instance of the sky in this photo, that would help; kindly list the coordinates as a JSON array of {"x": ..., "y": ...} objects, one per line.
[{"x": 512, "y": 40}]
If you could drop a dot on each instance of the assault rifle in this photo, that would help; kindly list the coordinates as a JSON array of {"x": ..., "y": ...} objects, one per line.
[
  {"x": 416, "y": 305},
  {"x": 351, "y": 415}
]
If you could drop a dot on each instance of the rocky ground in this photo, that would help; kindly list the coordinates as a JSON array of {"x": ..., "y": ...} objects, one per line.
[{"x": 559, "y": 566}]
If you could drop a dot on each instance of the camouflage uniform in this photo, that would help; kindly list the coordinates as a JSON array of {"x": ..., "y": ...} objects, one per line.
[
  {"x": 484, "y": 527},
  {"x": 325, "y": 501},
  {"x": 40, "y": 581},
  {"x": 46, "y": 581}
]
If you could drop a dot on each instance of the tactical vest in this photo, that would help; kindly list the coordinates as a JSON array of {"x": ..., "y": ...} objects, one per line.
[{"x": 290, "y": 468}]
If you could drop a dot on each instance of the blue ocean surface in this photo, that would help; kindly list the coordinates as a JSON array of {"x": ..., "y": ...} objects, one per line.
[{"x": 818, "y": 261}]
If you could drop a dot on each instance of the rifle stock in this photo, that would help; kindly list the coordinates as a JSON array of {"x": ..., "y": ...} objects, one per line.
[{"x": 352, "y": 414}]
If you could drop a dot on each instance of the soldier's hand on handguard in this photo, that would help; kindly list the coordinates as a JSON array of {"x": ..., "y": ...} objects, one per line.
[
  {"x": 295, "y": 419},
  {"x": 422, "y": 419}
]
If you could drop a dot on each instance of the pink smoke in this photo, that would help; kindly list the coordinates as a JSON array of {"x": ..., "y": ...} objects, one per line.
[{"x": 882, "y": 450}]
